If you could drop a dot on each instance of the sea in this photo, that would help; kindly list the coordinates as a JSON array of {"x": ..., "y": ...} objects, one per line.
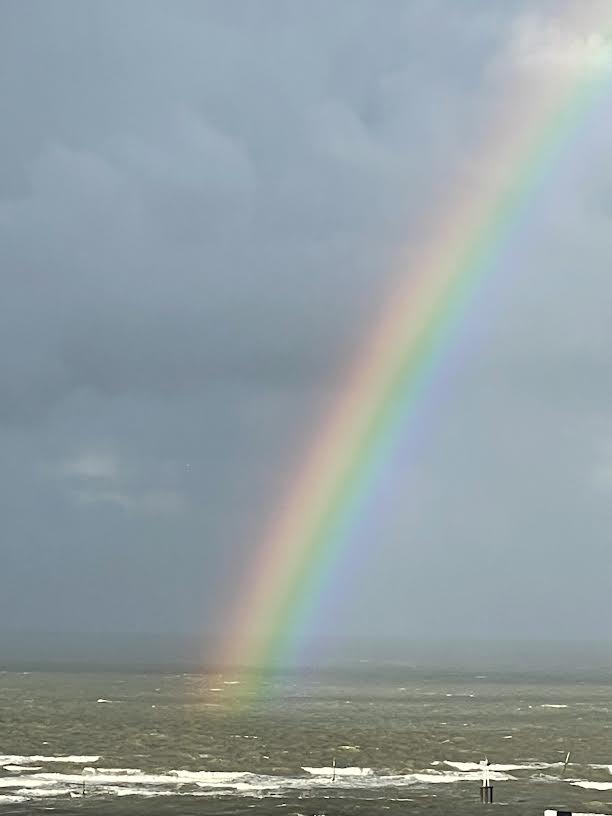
[{"x": 404, "y": 740}]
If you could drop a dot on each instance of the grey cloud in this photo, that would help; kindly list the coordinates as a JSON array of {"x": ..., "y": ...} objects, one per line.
[
  {"x": 257, "y": 153},
  {"x": 203, "y": 207}
]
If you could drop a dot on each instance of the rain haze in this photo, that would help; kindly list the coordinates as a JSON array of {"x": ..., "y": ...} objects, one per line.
[{"x": 203, "y": 209}]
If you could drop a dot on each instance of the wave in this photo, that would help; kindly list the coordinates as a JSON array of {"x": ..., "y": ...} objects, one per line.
[
  {"x": 25, "y": 782},
  {"x": 19, "y": 768},
  {"x": 600, "y": 786},
  {"x": 437, "y": 777},
  {"x": 353, "y": 771},
  {"x": 132, "y": 781},
  {"x": 475, "y": 766},
  {"x": 20, "y": 759},
  {"x": 122, "y": 771},
  {"x": 110, "y": 776}
]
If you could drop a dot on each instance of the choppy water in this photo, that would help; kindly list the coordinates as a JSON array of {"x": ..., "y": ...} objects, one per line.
[{"x": 404, "y": 741}]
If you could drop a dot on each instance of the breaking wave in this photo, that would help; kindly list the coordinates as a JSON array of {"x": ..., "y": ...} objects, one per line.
[
  {"x": 475, "y": 766},
  {"x": 338, "y": 771},
  {"x": 20, "y": 759},
  {"x": 133, "y": 781},
  {"x": 22, "y": 780}
]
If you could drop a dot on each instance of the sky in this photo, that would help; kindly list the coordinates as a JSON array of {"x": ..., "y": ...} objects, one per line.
[{"x": 203, "y": 207}]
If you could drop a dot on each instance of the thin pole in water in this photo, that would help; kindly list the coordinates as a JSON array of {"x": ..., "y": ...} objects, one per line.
[
  {"x": 566, "y": 763},
  {"x": 334, "y": 769}
]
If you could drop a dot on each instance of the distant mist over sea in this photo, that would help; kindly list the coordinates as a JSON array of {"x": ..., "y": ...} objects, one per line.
[{"x": 154, "y": 652}]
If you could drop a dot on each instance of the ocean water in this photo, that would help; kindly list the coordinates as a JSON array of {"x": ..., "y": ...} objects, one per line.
[{"x": 405, "y": 741}]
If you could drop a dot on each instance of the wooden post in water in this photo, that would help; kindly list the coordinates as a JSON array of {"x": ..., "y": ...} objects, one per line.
[
  {"x": 566, "y": 763},
  {"x": 334, "y": 769}
]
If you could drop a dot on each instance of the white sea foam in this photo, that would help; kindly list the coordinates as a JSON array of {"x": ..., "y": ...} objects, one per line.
[
  {"x": 19, "y": 759},
  {"x": 103, "y": 700},
  {"x": 122, "y": 771},
  {"x": 437, "y": 777},
  {"x": 19, "y": 768},
  {"x": 553, "y": 705},
  {"x": 476, "y": 766},
  {"x": 133, "y": 781},
  {"x": 44, "y": 793},
  {"x": 121, "y": 790},
  {"x": 600, "y": 786},
  {"x": 353, "y": 771},
  {"x": 114, "y": 776}
]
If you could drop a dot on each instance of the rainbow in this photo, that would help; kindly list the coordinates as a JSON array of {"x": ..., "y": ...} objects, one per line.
[{"x": 402, "y": 356}]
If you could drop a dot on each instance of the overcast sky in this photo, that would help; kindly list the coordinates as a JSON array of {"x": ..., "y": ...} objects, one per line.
[{"x": 202, "y": 208}]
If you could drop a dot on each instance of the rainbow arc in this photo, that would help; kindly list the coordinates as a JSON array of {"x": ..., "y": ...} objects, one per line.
[{"x": 405, "y": 350}]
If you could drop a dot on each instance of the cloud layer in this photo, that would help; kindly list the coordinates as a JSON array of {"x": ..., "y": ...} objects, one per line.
[{"x": 202, "y": 208}]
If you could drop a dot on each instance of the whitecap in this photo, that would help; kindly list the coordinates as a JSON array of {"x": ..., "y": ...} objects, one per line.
[
  {"x": 20, "y": 759},
  {"x": 437, "y": 777},
  {"x": 20, "y": 768},
  {"x": 476, "y": 766},
  {"x": 600, "y": 786},
  {"x": 121, "y": 790},
  {"x": 351, "y": 771},
  {"x": 122, "y": 771},
  {"x": 133, "y": 781}
]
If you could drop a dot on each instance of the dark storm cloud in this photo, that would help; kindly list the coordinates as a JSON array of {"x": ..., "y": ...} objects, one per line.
[
  {"x": 202, "y": 183},
  {"x": 202, "y": 206}
]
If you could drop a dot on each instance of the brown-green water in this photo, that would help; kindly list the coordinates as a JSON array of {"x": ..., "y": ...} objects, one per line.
[{"x": 187, "y": 743}]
